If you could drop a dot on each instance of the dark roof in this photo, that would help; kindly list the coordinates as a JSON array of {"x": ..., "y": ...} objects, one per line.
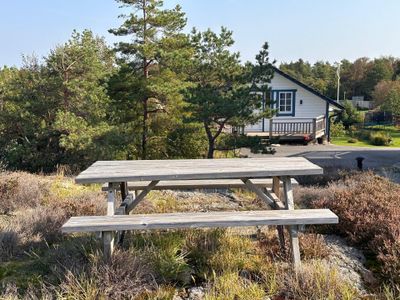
[{"x": 308, "y": 88}]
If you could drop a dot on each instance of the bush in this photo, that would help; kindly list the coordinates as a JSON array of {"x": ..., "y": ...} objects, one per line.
[
  {"x": 380, "y": 139},
  {"x": 352, "y": 141},
  {"x": 21, "y": 190},
  {"x": 337, "y": 129},
  {"x": 368, "y": 207}
]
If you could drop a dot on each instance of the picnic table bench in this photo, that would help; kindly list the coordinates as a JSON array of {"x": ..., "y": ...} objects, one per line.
[{"x": 263, "y": 176}]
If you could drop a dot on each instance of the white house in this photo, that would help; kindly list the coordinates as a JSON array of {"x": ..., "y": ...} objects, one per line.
[{"x": 300, "y": 111}]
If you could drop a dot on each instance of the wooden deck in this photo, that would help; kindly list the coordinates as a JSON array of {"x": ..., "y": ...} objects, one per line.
[{"x": 292, "y": 128}]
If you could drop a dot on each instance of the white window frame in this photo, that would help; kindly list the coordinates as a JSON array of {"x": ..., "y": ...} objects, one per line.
[{"x": 286, "y": 104}]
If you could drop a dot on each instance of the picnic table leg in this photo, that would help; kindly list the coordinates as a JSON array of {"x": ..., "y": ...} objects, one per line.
[
  {"x": 293, "y": 229},
  {"x": 281, "y": 234},
  {"x": 108, "y": 236},
  {"x": 124, "y": 193}
]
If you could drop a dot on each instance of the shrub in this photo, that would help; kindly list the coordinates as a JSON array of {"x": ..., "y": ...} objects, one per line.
[
  {"x": 337, "y": 129},
  {"x": 380, "y": 139},
  {"x": 352, "y": 141},
  {"x": 21, "y": 190},
  {"x": 368, "y": 207}
]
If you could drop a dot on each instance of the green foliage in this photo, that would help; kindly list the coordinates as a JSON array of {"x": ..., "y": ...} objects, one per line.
[
  {"x": 187, "y": 141},
  {"x": 350, "y": 115},
  {"x": 392, "y": 102},
  {"x": 221, "y": 91},
  {"x": 53, "y": 108},
  {"x": 321, "y": 75},
  {"x": 380, "y": 138},
  {"x": 337, "y": 129},
  {"x": 357, "y": 78},
  {"x": 155, "y": 59}
]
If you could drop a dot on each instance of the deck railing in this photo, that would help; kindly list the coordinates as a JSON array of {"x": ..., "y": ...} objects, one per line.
[{"x": 315, "y": 127}]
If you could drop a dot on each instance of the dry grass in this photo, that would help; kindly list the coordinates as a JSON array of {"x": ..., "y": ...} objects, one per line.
[
  {"x": 21, "y": 190},
  {"x": 39, "y": 262},
  {"x": 315, "y": 281},
  {"x": 127, "y": 274},
  {"x": 35, "y": 207}
]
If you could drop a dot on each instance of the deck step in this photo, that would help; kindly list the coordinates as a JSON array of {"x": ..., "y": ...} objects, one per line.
[
  {"x": 200, "y": 184},
  {"x": 199, "y": 220}
]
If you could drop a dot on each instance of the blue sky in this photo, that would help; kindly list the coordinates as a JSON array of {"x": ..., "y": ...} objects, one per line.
[{"x": 314, "y": 30}]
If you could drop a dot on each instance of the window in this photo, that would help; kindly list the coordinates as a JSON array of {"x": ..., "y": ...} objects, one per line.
[{"x": 285, "y": 102}]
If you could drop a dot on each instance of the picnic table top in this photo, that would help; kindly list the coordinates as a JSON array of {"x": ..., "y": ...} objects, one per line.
[{"x": 192, "y": 169}]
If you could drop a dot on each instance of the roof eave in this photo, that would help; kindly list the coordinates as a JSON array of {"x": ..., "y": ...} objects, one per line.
[{"x": 310, "y": 89}]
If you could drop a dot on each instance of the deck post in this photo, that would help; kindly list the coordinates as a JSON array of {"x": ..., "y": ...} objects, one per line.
[
  {"x": 293, "y": 229},
  {"x": 108, "y": 236},
  {"x": 281, "y": 233},
  {"x": 314, "y": 128},
  {"x": 270, "y": 128}
]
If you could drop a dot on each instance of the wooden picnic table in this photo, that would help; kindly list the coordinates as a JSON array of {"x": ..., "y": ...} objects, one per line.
[{"x": 118, "y": 173}]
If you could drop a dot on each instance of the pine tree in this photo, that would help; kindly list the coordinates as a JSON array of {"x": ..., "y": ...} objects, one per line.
[
  {"x": 156, "y": 55},
  {"x": 221, "y": 94}
]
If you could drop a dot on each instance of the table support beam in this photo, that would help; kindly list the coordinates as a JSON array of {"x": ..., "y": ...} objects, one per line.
[
  {"x": 265, "y": 194},
  {"x": 141, "y": 196},
  {"x": 258, "y": 191}
]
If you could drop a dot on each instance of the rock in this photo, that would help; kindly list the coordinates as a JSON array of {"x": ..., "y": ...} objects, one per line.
[
  {"x": 196, "y": 293},
  {"x": 349, "y": 261}
]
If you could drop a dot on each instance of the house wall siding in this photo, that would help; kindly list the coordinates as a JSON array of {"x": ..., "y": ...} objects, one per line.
[{"x": 312, "y": 107}]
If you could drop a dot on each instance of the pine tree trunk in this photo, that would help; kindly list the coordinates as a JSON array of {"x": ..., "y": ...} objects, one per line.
[
  {"x": 211, "y": 140},
  {"x": 145, "y": 100},
  {"x": 144, "y": 130}
]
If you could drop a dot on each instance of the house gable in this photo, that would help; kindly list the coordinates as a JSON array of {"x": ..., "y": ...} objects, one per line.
[{"x": 308, "y": 88}]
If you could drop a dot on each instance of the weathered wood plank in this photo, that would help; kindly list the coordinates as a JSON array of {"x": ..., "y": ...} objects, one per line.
[
  {"x": 135, "y": 201},
  {"x": 293, "y": 229},
  {"x": 149, "y": 170},
  {"x": 278, "y": 203},
  {"x": 201, "y": 184},
  {"x": 198, "y": 220},
  {"x": 276, "y": 191},
  {"x": 258, "y": 192},
  {"x": 108, "y": 236}
]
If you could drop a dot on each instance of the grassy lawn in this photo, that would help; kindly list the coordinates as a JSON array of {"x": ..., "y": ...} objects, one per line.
[{"x": 393, "y": 131}]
